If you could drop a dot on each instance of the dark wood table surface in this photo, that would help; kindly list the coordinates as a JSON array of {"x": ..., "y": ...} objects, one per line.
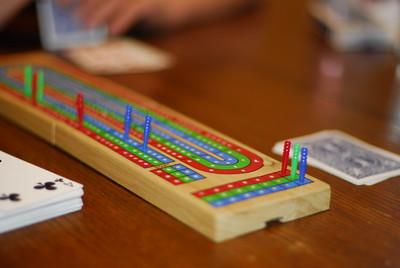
[{"x": 259, "y": 77}]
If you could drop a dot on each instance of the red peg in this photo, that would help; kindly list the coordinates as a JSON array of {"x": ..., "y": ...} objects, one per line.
[
  {"x": 79, "y": 109},
  {"x": 285, "y": 157},
  {"x": 34, "y": 87}
]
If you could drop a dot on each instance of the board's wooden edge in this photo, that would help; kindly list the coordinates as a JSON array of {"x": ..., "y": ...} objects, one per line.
[
  {"x": 40, "y": 124},
  {"x": 285, "y": 206}
]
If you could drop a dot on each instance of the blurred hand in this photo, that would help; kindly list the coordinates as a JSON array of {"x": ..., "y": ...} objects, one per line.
[{"x": 118, "y": 15}]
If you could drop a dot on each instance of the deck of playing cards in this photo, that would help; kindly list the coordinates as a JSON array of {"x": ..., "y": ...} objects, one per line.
[
  {"x": 347, "y": 157},
  {"x": 29, "y": 194},
  {"x": 119, "y": 55}
]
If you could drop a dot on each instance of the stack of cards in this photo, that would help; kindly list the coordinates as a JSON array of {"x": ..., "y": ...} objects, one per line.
[
  {"x": 29, "y": 194},
  {"x": 347, "y": 157},
  {"x": 120, "y": 55}
]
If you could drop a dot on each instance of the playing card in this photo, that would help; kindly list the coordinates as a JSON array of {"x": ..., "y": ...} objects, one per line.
[
  {"x": 119, "y": 56},
  {"x": 61, "y": 28},
  {"x": 347, "y": 157},
  {"x": 24, "y": 187}
]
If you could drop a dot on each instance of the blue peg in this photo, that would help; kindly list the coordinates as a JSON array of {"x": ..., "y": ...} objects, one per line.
[
  {"x": 303, "y": 165},
  {"x": 128, "y": 121},
  {"x": 146, "y": 132}
]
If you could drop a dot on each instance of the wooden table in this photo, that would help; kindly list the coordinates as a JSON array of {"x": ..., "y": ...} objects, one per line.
[{"x": 260, "y": 77}]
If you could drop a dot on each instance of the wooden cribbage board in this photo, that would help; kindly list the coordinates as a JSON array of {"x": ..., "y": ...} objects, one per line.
[{"x": 209, "y": 181}]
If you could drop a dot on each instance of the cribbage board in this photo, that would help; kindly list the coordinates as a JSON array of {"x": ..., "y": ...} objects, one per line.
[{"x": 216, "y": 185}]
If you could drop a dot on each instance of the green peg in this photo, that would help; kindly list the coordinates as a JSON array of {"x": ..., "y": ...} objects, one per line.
[
  {"x": 40, "y": 86},
  {"x": 28, "y": 81},
  {"x": 295, "y": 161}
]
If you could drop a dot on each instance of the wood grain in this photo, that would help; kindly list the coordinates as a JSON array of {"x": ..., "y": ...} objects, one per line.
[{"x": 274, "y": 55}]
